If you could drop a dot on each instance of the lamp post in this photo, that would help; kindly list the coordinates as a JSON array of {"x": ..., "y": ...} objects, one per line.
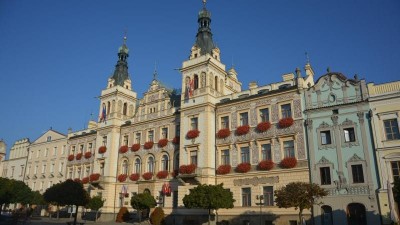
[{"x": 261, "y": 198}]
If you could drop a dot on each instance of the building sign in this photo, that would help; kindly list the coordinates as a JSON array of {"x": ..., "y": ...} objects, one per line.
[{"x": 256, "y": 181}]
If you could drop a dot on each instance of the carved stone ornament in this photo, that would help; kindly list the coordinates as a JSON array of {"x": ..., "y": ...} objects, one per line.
[
  {"x": 334, "y": 119},
  {"x": 323, "y": 161},
  {"x": 355, "y": 158},
  {"x": 348, "y": 122},
  {"x": 324, "y": 125}
]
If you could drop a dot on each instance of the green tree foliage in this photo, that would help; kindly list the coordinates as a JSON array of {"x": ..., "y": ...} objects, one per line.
[
  {"x": 299, "y": 195},
  {"x": 157, "y": 216},
  {"x": 209, "y": 197},
  {"x": 68, "y": 192},
  {"x": 143, "y": 201},
  {"x": 13, "y": 191},
  {"x": 396, "y": 190},
  {"x": 37, "y": 198},
  {"x": 95, "y": 203}
]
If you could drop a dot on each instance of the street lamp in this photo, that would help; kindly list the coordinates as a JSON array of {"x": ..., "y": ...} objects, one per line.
[{"x": 261, "y": 198}]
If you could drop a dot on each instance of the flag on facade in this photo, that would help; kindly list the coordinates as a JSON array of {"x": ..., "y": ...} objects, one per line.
[
  {"x": 191, "y": 87},
  {"x": 392, "y": 206},
  {"x": 103, "y": 115}
]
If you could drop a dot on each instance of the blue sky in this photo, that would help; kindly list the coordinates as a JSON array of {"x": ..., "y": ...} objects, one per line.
[{"x": 56, "y": 56}]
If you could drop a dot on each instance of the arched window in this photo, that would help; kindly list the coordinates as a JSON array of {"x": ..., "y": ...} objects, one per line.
[
  {"x": 150, "y": 164},
  {"x": 164, "y": 162},
  {"x": 216, "y": 83},
  {"x": 108, "y": 107},
  {"x": 125, "y": 109},
  {"x": 125, "y": 166},
  {"x": 137, "y": 166},
  {"x": 326, "y": 215},
  {"x": 196, "y": 82}
]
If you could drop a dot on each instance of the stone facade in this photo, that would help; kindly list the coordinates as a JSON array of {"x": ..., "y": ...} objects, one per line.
[
  {"x": 384, "y": 100},
  {"x": 341, "y": 150},
  {"x": 17, "y": 160}
]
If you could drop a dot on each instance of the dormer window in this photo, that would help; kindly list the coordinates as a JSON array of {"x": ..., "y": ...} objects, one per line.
[
  {"x": 49, "y": 138},
  {"x": 195, "y": 55}
]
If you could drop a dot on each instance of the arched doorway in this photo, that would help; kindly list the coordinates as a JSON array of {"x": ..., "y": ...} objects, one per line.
[
  {"x": 356, "y": 214},
  {"x": 326, "y": 215}
]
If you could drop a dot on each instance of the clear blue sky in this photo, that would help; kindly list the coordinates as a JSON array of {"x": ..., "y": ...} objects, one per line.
[{"x": 56, "y": 56}]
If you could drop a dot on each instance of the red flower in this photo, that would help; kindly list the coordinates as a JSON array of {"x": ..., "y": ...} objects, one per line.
[
  {"x": 123, "y": 149},
  {"x": 243, "y": 167},
  {"x": 263, "y": 126},
  {"x": 122, "y": 177},
  {"x": 242, "y": 130},
  {"x": 192, "y": 134},
  {"x": 148, "y": 145},
  {"x": 224, "y": 169},
  {"x": 77, "y": 180},
  {"x": 175, "y": 173},
  {"x": 94, "y": 177},
  {"x": 135, "y": 147},
  {"x": 102, "y": 149},
  {"x": 266, "y": 165},
  {"x": 176, "y": 140},
  {"x": 78, "y": 156},
  {"x": 288, "y": 162},
  {"x": 162, "y": 142},
  {"x": 187, "y": 169},
  {"x": 147, "y": 176},
  {"x": 134, "y": 177},
  {"x": 85, "y": 180},
  {"x": 88, "y": 155},
  {"x": 285, "y": 122},
  {"x": 71, "y": 157},
  {"x": 126, "y": 195},
  {"x": 223, "y": 133},
  {"x": 162, "y": 174}
]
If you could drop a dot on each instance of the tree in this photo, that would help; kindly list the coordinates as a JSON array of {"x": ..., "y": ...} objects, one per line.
[
  {"x": 68, "y": 192},
  {"x": 143, "y": 201},
  {"x": 209, "y": 197},
  {"x": 37, "y": 198},
  {"x": 13, "y": 191},
  {"x": 5, "y": 192},
  {"x": 95, "y": 203},
  {"x": 299, "y": 195}
]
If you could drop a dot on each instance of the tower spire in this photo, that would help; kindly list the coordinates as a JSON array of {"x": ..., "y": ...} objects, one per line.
[
  {"x": 204, "y": 36},
  {"x": 155, "y": 71},
  {"x": 121, "y": 69}
]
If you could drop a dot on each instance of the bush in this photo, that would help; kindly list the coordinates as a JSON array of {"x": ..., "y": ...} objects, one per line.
[
  {"x": 157, "y": 216},
  {"x": 123, "y": 215}
]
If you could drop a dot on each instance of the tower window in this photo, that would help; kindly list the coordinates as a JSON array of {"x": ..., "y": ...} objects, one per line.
[{"x": 349, "y": 135}]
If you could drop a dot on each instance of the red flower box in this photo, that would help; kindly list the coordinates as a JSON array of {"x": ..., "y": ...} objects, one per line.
[
  {"x": 71, "y": 157},
  {"x": 88, "y": 155},
  {"x": 102, "y": 149},
  {"x": 176, "y": 140},
  {"x": 148, "y": 145},
  {"x": 134, "y": 177},
  {"x": 162, "y": 142},
  {"x": 175, "y": 173},
  {"x": 266, "y": 165},
  {"x": 123, "y": 149},
  {"x": 263, "y": 126},
  {"x": 122, "y": 177},
  {"x": 147, "y": 176},
  {"x": 288, "y": 162},
  {"x": 223, "y": 133},
  {"x": 77, "y": 180},
  {"x": 192, "y": 134},
  {"x": 78, "y": 156},
  {"x": 242, "y": 130},
  {"x": 85, "y": 180},
  {"x": 187, "y": 169},
  {"x": 286, "y": 122},
  {"x": 94, "y": 177},
  {"x": 224, "y": 169},
  {"x": 162, "y": 174},
  {"x": 126, "y": 195},
  {"x": 243, "y": 167},
  {"x": 135, "y": 147}
]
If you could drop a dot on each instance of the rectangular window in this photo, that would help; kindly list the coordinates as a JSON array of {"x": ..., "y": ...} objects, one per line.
[
  {"x": 358, "y": 174},
  {"x": 193, "y": 157},
  {"x": 102, "y": 168},
  {"x": 55, "y": 151},
  {"x": 150, "y": 136},
  {"x": 325, "y": 175},
  {"x": 326, "y": 137},
  {"x": 52, "y": 168},
  {"x": 225, "y": 160},
  {"x": 46, "y": 152},
  {"x": 81, "y": 147},
  {"x": 137, "y": 138},
  {"x": 22, "y": 170},
  {"x": 286, "y": 111},
  {"x": 225, "y": 122},
  {"x": 38, "y": 154},
  {"x": 36, "y": 169},
  {"x": 264, "y": 115},
  {"x": 266, "y": 153},
  {"x": 63, "y": 149},
  {"x": 43, "y": 168},
  {"x": 90, "y": 147},
  {"x": 268, "y": 193},
  {"x": 245, "y": 154},
  {"x": 395, "y": 169},
  {"x": 61, "y": 166},
  {"x": 194, "y": 123},
  {"x": 70, "y": 173},
  {"x": 164, "y": 132},
  {"x": 30, "y": 155},
  {"x": 392, "y": 129},
  {"x": 349, "y": 135},
  {"x": 246, "y": 196},
  {"x": 104, "y": 140},
  {"x": 125, "y": 140},
  {"x": 288, "y": 148},
  {"x": 244, "y": 118}
]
